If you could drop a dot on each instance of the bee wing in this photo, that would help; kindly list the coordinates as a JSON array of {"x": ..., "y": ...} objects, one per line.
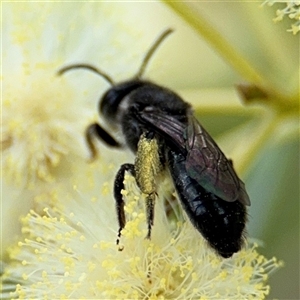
[
  {"x": 205, "y": 162},
  {"x": 208, "y": 165},
  {"x": 166, "y": 125}
]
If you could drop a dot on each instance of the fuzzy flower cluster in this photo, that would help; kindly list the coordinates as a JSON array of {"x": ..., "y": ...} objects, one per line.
[
  {"x": 72, "y": 254},
  {"x": 36, "y": 137},
  {"x": 43, "y": 113},
  {"x": 292, "y": 10}
]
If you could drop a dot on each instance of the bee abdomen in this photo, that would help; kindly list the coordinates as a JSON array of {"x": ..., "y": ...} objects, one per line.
[{"x": 220, "y": 222}]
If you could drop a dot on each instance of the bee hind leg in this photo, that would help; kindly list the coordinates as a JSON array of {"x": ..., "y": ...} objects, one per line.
[
  {"x": 148, "y": 166},
  {"x": 150, "y": 201}
]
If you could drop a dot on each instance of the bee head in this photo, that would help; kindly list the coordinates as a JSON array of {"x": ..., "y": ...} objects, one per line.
[{"x": 112, "y": 99}]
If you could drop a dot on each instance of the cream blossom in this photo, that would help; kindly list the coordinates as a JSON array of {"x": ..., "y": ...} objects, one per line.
[
  {"x": 291, "y": 10},
  {"x": 44, "y": 115},
  {"x": 70, "y": 252},
  {"x": 39, "y": 122}
]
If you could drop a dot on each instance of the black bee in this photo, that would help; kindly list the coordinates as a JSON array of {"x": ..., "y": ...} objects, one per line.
[{"x": 160, "y": 128}]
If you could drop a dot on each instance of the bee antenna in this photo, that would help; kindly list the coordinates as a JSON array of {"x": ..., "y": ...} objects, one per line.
[
  {"x": 150, "y": 52},
  {"x": 87, "y": 67}
]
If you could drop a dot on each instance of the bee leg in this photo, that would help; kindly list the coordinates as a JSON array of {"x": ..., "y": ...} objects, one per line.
[
  {"x": 118, "y": 187},
  {"x": 147, "y": 168},
  {"x": 150, "y": 201},
  {"x": 95, "y": 130}
]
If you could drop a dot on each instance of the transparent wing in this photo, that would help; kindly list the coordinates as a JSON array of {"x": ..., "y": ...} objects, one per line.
[
  {"x": 168, "y": 126},
  {"x": 205, "y": 162}
]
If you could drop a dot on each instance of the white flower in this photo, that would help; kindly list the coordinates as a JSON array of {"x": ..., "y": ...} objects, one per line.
[
  {"x": 292, "y": 10},
  {"x": 44, "y": 116},
  {"x": 69, "y": 251},
  {"x": 39, "y": 123}
]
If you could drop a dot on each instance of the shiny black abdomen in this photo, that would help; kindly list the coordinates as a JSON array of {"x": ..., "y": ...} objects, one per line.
[{"x": 220, "y": 222}]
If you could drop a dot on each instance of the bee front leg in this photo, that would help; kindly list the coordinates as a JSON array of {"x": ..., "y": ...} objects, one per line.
[
  {"x": 95, "y": 130},
  {"x": 118, "y": 187}
]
